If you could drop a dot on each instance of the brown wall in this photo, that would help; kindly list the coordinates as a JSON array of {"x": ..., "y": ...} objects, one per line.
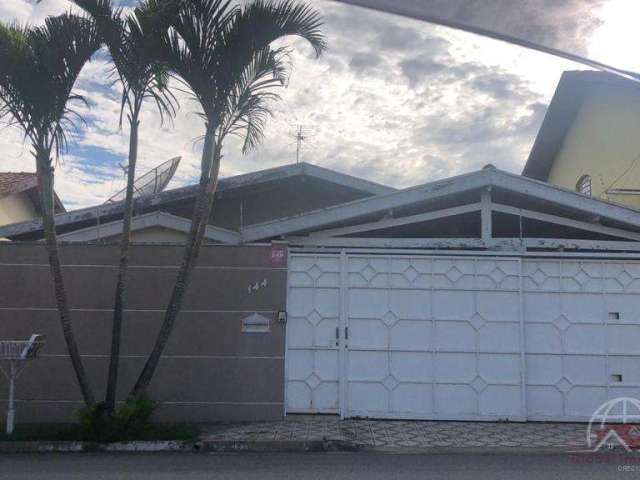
[
  {"x": 276, "y": 200},
  {"x": 211, "y": 370}
]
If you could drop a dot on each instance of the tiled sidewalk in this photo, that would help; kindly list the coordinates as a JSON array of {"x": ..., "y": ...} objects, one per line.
[{"x": 407, "y": 434}]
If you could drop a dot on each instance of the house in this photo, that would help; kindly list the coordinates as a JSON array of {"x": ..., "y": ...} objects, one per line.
[
  {"x": 19, "y": 199},
  {"x": 485, "y": 296},
  {"x": 240, "y": 200},
  {"x": 589, "y": 139}
]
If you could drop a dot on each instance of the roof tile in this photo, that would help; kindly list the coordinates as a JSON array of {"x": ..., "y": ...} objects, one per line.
[{"x": 16, "y": 182}]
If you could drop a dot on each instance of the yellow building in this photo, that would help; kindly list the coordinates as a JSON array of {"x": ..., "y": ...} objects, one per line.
[
  {"x": 19, "y": 199},
  {"x": 590, "y": 138}
]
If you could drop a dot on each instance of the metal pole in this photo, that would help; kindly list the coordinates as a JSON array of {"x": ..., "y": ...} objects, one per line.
[
  {"x": 299, "y": 143},
  {"x": 11, "y": 412}
]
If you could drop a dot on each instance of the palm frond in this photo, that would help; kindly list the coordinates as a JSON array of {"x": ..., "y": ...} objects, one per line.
[
  {"x": 134, "y": 46},
  {"x": 38, "y": 76},
  {"x": 273, "y": 19},
  {"x": 247, "y": 104},
  {"x": 223, "y": 53},
  {"x": 16, "y": 58},
  {"x": 192, "y": 44},
  {"x": 63, "y": 45}
]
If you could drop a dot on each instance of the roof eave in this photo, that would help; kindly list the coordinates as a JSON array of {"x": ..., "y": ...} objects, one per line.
[
  {"x": 148, "y": 220},
  {"x": 360, "y": 208},
  {"x": 182, "y": 193},
  {"x": 487, "y": 178}
]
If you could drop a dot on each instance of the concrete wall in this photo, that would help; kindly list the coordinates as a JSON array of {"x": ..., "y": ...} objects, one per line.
[
  {"x": 210, "y": 371},
  {"x": 603, "y": 142},
  {"x": 16, "y": 208}
]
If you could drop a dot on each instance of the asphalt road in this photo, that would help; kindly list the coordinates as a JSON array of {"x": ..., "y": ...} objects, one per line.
[{"x": 367, "y": 466}]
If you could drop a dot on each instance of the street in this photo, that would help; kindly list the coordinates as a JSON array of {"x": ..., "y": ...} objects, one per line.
[{"x": 369, "y": 466}]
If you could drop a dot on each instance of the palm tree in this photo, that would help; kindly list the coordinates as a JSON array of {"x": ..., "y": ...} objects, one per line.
[
  {"x": 224, "y": 55},
  {"x": 38, "y": 69},
  {"x": 132, "y": 42}
]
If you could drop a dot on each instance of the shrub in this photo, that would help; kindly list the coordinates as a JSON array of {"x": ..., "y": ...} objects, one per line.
[
  {"x": 127, "y": 422},
  {"x": 131, "y": 419},
  {"x": 94, "y": 421}
]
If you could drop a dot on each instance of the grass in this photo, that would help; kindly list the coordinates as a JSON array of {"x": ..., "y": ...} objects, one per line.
[{"x": 73, "y": 432}]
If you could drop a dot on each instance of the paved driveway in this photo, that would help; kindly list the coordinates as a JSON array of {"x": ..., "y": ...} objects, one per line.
[
  {"x": 398, "y": 434},
  {"x": 365, "y": 466}
]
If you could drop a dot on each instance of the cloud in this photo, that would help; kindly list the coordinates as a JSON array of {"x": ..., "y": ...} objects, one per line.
[
  {"x": 364, "y": 62},
  {"x": 418, "y": 69},
  {"x": 393, "y": 100},
  {"x": 396, "y": 38},
  {"x": 15, "y": 10}
]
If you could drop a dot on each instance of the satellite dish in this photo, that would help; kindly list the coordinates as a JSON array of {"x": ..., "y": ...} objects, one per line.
[{"x": 154, "y": 181}]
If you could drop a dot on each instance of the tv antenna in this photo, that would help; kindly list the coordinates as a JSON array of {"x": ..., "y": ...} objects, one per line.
[
  {"x": 301, "y": 136},
  {"x": 154, "y": 181}
]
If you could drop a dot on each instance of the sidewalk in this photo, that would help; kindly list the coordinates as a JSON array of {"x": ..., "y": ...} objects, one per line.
[{"x": 312, "y": 432}]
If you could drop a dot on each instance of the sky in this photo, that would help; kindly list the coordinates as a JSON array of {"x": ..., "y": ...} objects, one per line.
[{"x": 393, "y": 100}]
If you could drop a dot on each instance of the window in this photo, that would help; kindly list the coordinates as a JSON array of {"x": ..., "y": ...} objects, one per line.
[{"x": 584, "y": 185}]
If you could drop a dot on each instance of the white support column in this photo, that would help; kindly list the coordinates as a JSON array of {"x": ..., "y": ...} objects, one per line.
[
  {"x": 343, "y": 325},
  {"x": 486, "y": 222}
]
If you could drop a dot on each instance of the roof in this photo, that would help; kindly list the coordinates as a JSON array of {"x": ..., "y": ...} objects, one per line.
[
  {"x": 303, "y": 168},
  {"x": 442, "y": 200},
  {"x": 16, "y": 182},
  {"x": 569, "y": 96},
  {"x": 269, "y": 175},
  {"x": 530, "y": 192},
  {"x": 12, "y": 183},
  {"x": 141, "y": 222},
  {"x": 225, "y": 185}
]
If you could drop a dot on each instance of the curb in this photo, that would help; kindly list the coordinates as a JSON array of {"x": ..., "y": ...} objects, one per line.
[
  {"x": 291, "y": 446},
  {"x": 497, "y": 450},
  {"x": 257, "y": 446},
  {"x": 211, "y": 446},
  {"x": 79, "y": 447}
]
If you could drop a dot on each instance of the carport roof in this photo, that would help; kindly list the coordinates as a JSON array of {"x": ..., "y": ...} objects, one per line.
[{"x": 526, "y": 191}]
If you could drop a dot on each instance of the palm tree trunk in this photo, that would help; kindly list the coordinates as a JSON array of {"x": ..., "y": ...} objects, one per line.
[
  {"x": 45, "y": 187},
  {"x": 202, "y": 210},
  {"x": 125, "y": 242}
]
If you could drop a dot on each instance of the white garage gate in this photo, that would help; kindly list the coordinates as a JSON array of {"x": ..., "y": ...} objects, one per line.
[{"x": 460, "y": 337}]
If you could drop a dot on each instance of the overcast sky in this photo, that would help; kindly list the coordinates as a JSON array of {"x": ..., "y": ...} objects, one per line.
[{"x": 393, "y": 100}]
